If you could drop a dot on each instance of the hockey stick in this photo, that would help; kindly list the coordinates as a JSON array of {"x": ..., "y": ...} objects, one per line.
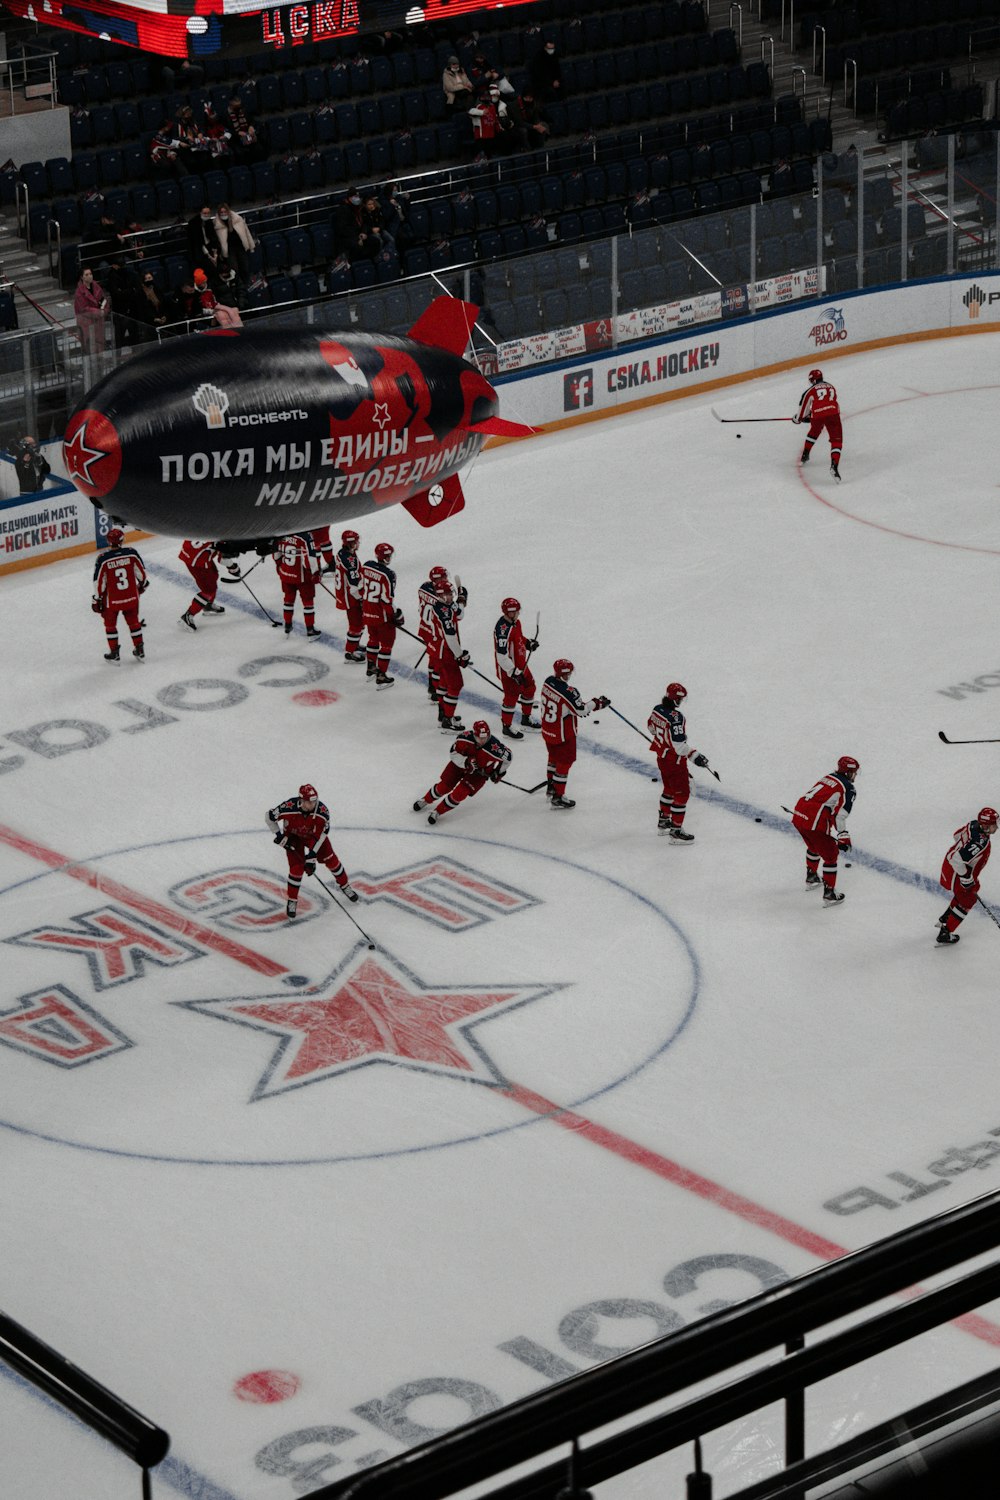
[
  {"x": 260, "y": 606},
  {"x": 529, "y": 791},
  {"x": 986, "y": 909},
  {"x": 947, "y": 741},
  {"x": 629, "y": 723},
  {"x": 788, "y": 810},
  {"x": 739, "y": 421},
  {"x": 331, "y": 892}
]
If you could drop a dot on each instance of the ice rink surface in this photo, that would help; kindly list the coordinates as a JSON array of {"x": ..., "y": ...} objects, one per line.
[{"x": 589, "y": 1085}]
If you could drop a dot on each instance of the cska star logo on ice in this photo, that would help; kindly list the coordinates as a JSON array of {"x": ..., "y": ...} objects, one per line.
[{"x": 372, "y": 1009}]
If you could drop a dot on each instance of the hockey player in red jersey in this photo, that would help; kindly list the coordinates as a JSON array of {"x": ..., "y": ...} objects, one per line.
[
  {"x": 348, "y": 593},
  {"x": 119, "y": 579},
  {"x": 301, "y": 825},
  {"x": 561, "y": 707},
  {"x": 202, "y": 561},
  {"x": 820, "y": 408},
  {"x": 476, "y": 757},
  {"x": 511, "y": 651},
  {"x": 821, "y": 818},
  {"x": 668, "y": 728},
  {"x": 448, "y": 655},
  {"x": 378, "y": 592},
  {"x": 428, "y": 595},
  {"x": 960, "y": 871},
  {"x": 295, "y": 561},
  {"x": 323, "y": 547}
]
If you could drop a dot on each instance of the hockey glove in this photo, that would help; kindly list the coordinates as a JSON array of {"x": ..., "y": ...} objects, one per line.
[
  {"x": 282, "y": 839},
  {"x": 95, "y": 605},
  {"x": 968, "y": 881},
  {"x": 843, "y": 841},
  {"x": 531, "y": 645},
  {"x": 517, "y": 678},
  {"x": 498, "y": 774},
  {"x": 700, "y": 760},
  {"x": 233, "y": 569},
  {"x": 602, "y": 702},
  {"x": 796, "y": 421},
  {"x": 465, "y": 660},
  {"x": 144, "y": 585},
  {"x": 397, "y": 616},
  {"x": 310, "y": 866},
  {"x": 463, "y": 596}
]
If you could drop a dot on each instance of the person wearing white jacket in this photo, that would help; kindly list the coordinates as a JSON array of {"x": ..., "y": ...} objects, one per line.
[{"x": 236, "y": 240}]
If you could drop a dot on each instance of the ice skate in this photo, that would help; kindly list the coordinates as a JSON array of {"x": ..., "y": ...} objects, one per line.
[
  {"x": 288, "y": 630},
  {"x": 113, "y": 655},
  {"x": 562, "y": 801},
  {"x": 813, "y": 881},
  {"x": 383, "y": 680},
  {"x": 354, "y": 656},
  {"x": 186, "y": 619},
  {"x": 433, "y": 817},
  {"x": 680, "y": 837},
  {"x": 511, "y": 733},
  {"x": 945, "y": 937},
  {"x": 214, "y": 609},
  {"x": 834, "y": 470},
  {"x": 530, "y": 723},
  {"x": 139, "y": 654},
  {"x": 349, "y": 892},
  {"x": 832, "y": 897},
  {"x": 805, "y": 456},
  {"x": 313, "y": 633},
  {"x": 419, "y": 806},
  {"x": 291, "y": 907}
]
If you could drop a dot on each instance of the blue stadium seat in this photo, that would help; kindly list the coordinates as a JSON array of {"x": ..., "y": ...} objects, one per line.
[
  {"x": 144, "y": 204},
  {"x": 264, "y": 180},
  {"x": 282, "y": 289},
  {"x": 299, "y": 246},
  {"x": 111, "y": 168},
  {"x": 356, "y": 159},
  {"x": 275, "y": 250},
  {"x": 168, "y": 200},
  {"x": 293, "y": 90},
  {"x": 306, "y": 286}
]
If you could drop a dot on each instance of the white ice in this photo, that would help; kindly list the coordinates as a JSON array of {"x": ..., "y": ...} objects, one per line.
[{"x": 182, "y": 1211}]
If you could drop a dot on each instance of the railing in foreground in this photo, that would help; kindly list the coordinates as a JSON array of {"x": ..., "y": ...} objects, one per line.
[
  {"x": 92, "y": 1404},
  {"x": 486, "y": 1449}
]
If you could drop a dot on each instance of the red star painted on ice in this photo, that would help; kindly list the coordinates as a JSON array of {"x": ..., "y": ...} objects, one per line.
[
  {"x": 372, "y": 1009},
  {"x": 80, "y": 457}
]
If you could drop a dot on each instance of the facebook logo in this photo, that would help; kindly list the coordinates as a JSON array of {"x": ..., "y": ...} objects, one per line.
[{"x": 578, "y": 390}]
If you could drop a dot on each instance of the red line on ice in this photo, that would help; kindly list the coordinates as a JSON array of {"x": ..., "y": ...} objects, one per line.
[
  {"x": 713, "y": 1192},
  {"x": 142, "y": 904}
]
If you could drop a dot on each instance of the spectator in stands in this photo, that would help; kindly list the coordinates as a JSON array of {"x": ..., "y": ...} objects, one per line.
[
  {"x": 122, "y": 290},
  {"x": 387, "y": 42},
  {"x": 546, "y": 73},
  {"x": 235, "y": 242},
  {"x": 163, "y": 151},
  {"x": 376, "y": 225},
  {"x": 483, "y": 74},
  {"x": 204, "y": 249},
  {"x": 152, "y": 310},
  {"x": 244, "y": 142},
  {"x": 352, "y": 228},
  {"x": 221, "y": 312},
  {"x": 184, "y": 307},
  {"x": 183, "y": 75},
  {"x": 90, "y": 304},
  {"x": 782, "y": 180},
  {"x": 393, "y": 202},
  {"x": 195, "y": 148},
  {"x": 530, "y": 129},
  {"x": 493, "y": 126},
  {"x": 30, "y": 465},
  {"x": 108, "y": 243},
  {"x": 217, "y": 135},
  {"x": 457, "y": 85}
]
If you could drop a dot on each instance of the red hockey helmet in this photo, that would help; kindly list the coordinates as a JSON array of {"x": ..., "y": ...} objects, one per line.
[
  {"x": 481, "y": 730},
  {"x": 384, "y": 551},
  {"x": 848, "y": 765},
  {"x": 988, "y": 815},
  {"x": 438, "y": 574},
  {"x": 511, "y": 606},
  {"x": 815, "y": 376},
  {"x": 562, "y": 667},
  {"x": 308, "y": 792},
  {"x": 115, "y": 536},
  {"x": 349, "y": 536},
  {"x": 676, "y": 691}
]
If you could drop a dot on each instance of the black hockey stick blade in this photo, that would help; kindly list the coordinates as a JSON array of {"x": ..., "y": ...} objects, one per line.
[
  {"x": 529, "y": 791},
  {"x": 947, "y": 741},
  {"x": 739, "y": 421}
]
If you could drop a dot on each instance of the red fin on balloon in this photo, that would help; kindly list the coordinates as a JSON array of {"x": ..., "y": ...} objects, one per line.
[
  {"x": 500, "y": 427},
  {"x": 438, "y": 503},
  {"x": 447, "y": 324}
]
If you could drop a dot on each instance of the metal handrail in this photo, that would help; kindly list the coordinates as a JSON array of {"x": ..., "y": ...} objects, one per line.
[
  {"x": 852, "y": 63},
  {"x": 796, "y": 73},
  {"x": 738, "y": 8},
  {"x": 55, "y": 256},
  {"x": 767, "y": 41},
  {"x": 23, "y": 225},
  {"x": 791, "y": 23},
  {"x": 817, "y": 31}
]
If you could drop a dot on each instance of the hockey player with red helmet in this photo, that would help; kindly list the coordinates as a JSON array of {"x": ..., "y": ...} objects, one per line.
[
  {"x": 961, "y": 869},
  {"x": 821, "y": 818},
  {"x": 820, "y": 408},
  {"x": 476, "y": 757},
  {"x": 378, "y": 594},
  {"x": 301, "y": 825},
  {"x": 668, "y": 729},
  {"x": 119, "y": 579},
  {"x": 447, "y": 654},
  {"x": 348, "y": 593},
  {"x": 561, "y": 707},
  {"x": 298, "y": 571},
  {"x": 431, "y": 592},
  {"x": 511, "y": 651}
]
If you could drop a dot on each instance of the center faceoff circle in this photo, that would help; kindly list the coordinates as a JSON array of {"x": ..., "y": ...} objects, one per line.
[{"x": 187, "y": 1020}]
